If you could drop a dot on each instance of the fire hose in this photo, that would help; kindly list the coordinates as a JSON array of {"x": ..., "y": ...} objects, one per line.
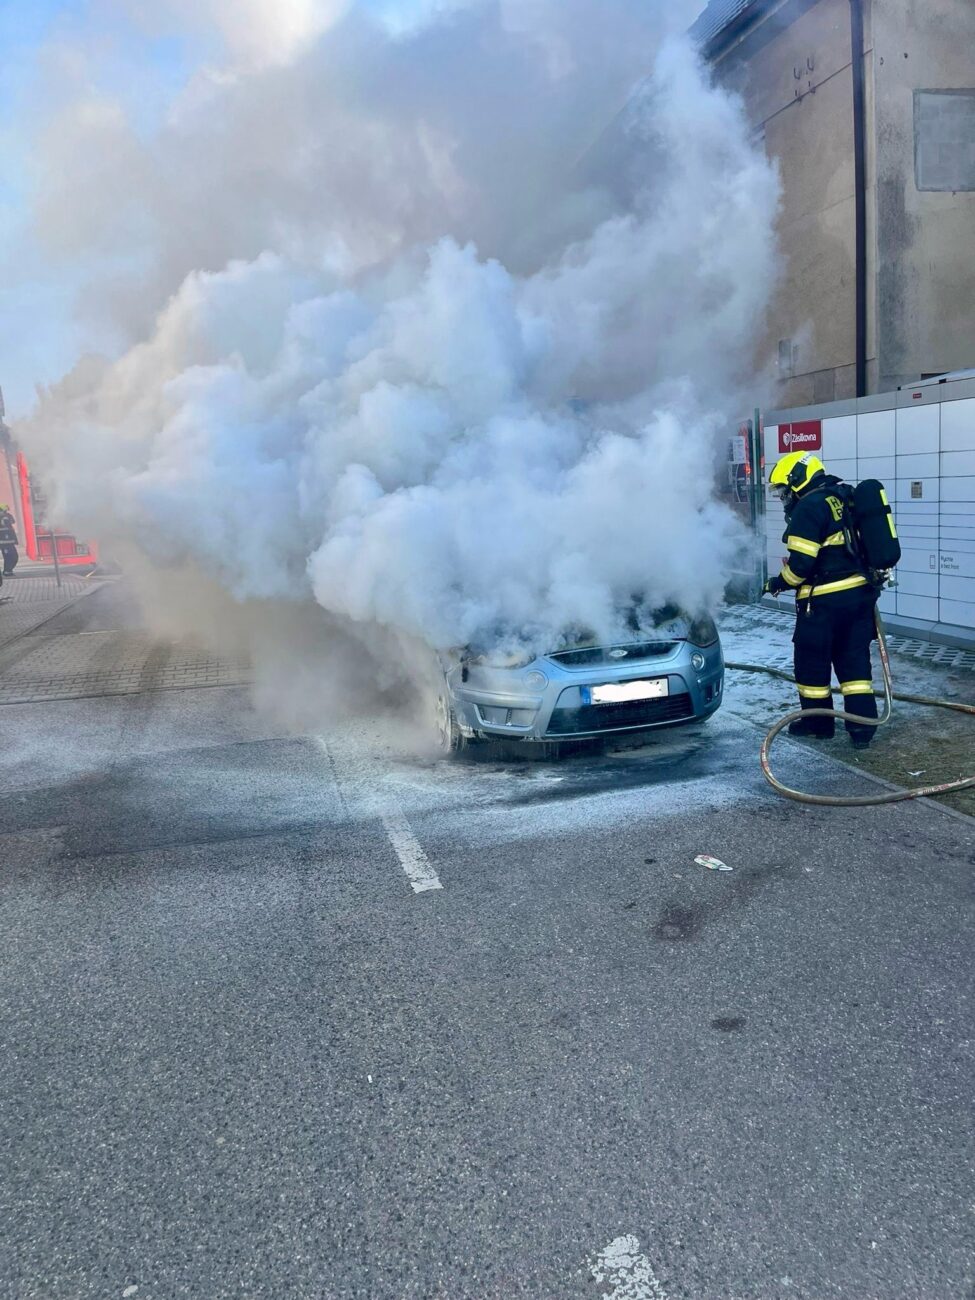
[{"x": 889, "y": 695}]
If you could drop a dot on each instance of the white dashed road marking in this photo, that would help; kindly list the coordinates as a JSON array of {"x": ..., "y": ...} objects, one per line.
[
  {"x": 627, "y": 1271},
  {"x": 412, "y": 859},
  {"x": 407, "y": 847}
]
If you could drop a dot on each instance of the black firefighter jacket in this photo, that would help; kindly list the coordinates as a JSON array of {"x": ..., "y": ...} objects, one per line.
[{"x": 819, "y": 562}]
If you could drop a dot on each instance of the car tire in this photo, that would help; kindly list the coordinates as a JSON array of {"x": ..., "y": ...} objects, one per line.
[{"x": 451, "y": 740}]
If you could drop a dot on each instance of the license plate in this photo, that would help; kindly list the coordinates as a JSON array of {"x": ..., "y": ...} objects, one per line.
[{"x": 620, "y": 692}]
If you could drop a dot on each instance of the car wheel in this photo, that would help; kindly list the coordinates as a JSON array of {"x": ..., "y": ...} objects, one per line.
[{"x": 450, "y": 738}]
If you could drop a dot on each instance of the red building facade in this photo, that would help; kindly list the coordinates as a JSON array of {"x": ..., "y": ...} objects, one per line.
[{"x": 36, "y": 535}]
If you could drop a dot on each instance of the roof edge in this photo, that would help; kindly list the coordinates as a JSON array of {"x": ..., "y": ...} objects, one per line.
[{"x": 724, "y": 21}]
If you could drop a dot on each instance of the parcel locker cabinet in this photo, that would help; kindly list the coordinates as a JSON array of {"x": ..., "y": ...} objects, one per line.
[
  {"x": 914, "y": 493},
  {"x": 920, "y": 443},
  {"x": 957, "y": 513}
]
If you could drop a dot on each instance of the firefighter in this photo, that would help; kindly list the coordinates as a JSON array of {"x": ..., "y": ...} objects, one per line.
[
  {"x": 834, "y": 597},
  {"x": 8, "y": 540}
]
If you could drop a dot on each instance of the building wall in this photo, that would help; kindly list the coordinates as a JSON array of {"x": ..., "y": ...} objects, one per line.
[
  {"x": 794, "y": 73},
  {"x": 925, "y": 289},
  {"x": 9, "y": 493}
]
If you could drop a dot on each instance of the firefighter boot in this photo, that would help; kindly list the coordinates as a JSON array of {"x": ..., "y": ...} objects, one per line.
[{"x": 817, "y": 728}]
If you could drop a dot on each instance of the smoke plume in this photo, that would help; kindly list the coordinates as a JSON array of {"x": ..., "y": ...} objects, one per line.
[{"x": 434, "y": 318}]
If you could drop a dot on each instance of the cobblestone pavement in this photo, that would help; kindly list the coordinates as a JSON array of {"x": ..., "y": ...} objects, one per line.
[
  {"x": 41, "y": 661},
  {"x": 745, "y": 626},
  {"x": 29, "y": 601},
  {"x": 110, "y": 663},
  {"x": 945, "y": 656}
]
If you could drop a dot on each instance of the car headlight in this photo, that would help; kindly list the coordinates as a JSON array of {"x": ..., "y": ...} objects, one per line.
[
  {"x": 703, "y": 631},
  {"x": 697, "y": 661},
  {"x": 536, "y": 680}
]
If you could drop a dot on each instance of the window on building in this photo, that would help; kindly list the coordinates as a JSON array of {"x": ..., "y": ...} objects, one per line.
[
  {"x": 824, "y": 386},
  {"x": 944, "y": 140}
]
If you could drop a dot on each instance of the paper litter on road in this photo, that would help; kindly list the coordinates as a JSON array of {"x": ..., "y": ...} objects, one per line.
[{"x": 712, "y": 864}]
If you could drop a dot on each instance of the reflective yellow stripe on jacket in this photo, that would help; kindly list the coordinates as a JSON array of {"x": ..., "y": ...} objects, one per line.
[
  {"x": 806, "y": 547},
  {"x": 803, "y": 545},
  {"x": 791, "y": 578},
  {"x": 824, "y": 588}
]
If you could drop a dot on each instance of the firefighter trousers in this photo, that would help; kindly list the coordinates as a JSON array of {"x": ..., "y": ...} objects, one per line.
[{"x": 835, "y": 632}]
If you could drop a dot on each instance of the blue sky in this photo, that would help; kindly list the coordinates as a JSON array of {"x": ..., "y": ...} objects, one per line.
[
  {"x": 143, "y": 69},
  {"x": 27, "y": 25},
  {"x": 39, "y": 334}
]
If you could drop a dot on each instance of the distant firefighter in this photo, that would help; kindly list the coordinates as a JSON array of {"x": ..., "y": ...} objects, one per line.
[{"x": 8, "y": 540}]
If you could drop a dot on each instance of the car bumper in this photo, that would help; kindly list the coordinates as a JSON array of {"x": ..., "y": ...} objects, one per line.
[{"x": 559, "y": 710}]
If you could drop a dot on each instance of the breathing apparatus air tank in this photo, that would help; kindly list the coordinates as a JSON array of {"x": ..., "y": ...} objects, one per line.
[{"x": 873, "y": 527}]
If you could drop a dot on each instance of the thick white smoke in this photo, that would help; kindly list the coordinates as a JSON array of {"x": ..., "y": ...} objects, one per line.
[{"x": 457, "y": 311}]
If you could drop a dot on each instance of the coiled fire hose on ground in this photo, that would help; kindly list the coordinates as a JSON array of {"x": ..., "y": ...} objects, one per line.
[{"x": 888, "y": 695}]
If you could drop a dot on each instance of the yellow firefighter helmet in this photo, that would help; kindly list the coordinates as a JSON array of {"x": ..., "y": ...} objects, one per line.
[{"x": 795, "y": 471}]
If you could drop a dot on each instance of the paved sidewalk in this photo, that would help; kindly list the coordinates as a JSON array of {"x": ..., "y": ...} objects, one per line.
[
  {"x": 28, "y": 600},
  {"x": 48, "y": 653},
  {"x": 759, "y": 629},
  {"x": 91, "y": 664}
]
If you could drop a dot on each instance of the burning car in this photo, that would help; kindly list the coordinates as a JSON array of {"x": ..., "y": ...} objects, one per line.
[{"x": 672, "y": 675}]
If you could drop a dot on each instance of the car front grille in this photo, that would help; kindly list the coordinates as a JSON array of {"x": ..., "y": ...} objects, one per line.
[
  {"x": 614, "y": 717},
  {"x": 586, "y": 656}
]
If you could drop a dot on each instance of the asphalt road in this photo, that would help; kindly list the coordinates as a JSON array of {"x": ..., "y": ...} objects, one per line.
[{"x": 299, "y": 1016}]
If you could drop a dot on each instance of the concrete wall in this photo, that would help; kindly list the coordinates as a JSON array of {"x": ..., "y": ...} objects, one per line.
[
  {"x": 794, "y": 75},
  {"x": 794, "y": 72},
  {"x": 925, "y": 292}
]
